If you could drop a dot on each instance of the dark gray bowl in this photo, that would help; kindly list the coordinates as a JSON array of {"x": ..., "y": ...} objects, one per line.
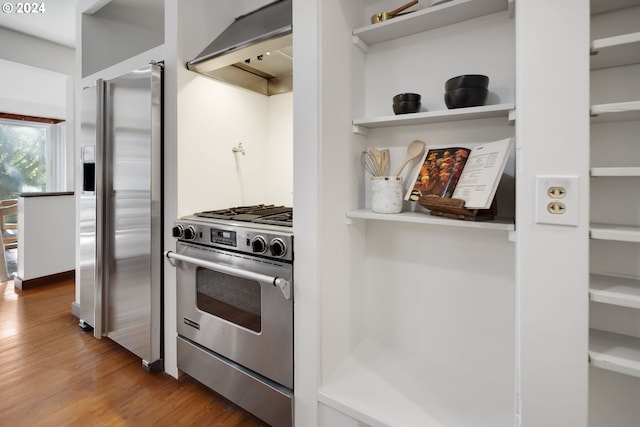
[
  {"x": 465, "y": 97},
  {"x": 415, "y": 97},
  {"x": 467, "y": 80},
  {"x": 406, "y": 107}
]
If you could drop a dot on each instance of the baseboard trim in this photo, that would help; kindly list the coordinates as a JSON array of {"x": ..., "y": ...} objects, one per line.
[{"x": 44, "y": 280}]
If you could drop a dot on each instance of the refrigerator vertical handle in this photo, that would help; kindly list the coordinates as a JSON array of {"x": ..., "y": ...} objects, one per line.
[{"x": 100, "y": 192}]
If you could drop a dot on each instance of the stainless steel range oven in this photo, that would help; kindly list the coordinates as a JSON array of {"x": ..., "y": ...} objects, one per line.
[{"x": 235, "y": 306}]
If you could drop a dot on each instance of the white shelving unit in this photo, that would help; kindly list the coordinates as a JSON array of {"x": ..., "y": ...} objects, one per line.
[
  {"x": 441, "y": 116},
  {"x": 602, "y": 6},
  {"x": 615, "y": 171},
  {"x": 614, "y": 290},
  {"x": 618, "y": 233},
  {"x": 499, "y": 224},
  {"x": 614, "y": 352},
  {"x": 371, "y": 380},
  {"x": 360, "y": 388},
  {"x": 615, "y": 112},
  {"x": 427, "y": 19},
  {"x": 615, "y": 51},
  {"x": 370, "y": 386}
]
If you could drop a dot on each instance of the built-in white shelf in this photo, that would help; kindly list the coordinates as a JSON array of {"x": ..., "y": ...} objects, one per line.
[
  {"x": 360, "y": 389},
  {"x": 614, "y": 352},
  {"x": 602, "y": 6},
  {"x": 379, "y": 386},
  {"x": 500, "y": 224},
  {"x": 440, "y": 116},
  {"x": 621, "y": 233},
  {"x": 615, "y": 51},
  {"x": 615, "y": 112},
  {"x": 427, "y": 19},
  {"x": 615, "y": 171},
  {"x": 614, "y": 290}
]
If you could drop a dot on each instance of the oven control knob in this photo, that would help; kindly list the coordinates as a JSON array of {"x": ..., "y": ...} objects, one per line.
[
  {"x": 259, "y": 245},
  {"x": 278, "y": 247},
  {"x": 177, "y": 231},
  {"x": 190, "y": 233}
]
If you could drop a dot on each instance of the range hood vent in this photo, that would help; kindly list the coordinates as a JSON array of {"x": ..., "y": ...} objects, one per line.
[{"x": 254, "y": 52}]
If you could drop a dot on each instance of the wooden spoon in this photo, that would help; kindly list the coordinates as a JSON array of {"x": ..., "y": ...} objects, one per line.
[
  {"x": 385, "y": 160},
  {"x": 414, "y": 149}
]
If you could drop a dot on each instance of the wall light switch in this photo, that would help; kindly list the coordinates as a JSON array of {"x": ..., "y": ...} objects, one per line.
[{"x": 557, "y": 200}]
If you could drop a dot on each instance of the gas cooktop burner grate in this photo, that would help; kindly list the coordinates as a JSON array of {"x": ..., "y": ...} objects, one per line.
[
  {"x": 264, "y": 214},
  {"x": 285, "y": 218}
]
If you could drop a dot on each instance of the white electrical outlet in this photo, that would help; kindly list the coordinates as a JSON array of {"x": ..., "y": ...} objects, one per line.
[{"x": 557, "y": 200}]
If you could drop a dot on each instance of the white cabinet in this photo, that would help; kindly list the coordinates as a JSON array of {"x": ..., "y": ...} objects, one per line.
[
  {"x": 615, "y": 225},
  {"x": 113, "y": 31},
  {"x": 418, "y": 327}
]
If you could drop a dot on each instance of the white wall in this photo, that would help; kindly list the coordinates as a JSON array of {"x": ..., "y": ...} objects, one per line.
[
  {"x": 279, "y": 160},
  {"x": 32, "y": 91},
  {"x": 217, "y": 118},
  {"x": 245, "y": 6},
  {"x": 35, "y": 52},
  {"x": 46, "y": 239}
]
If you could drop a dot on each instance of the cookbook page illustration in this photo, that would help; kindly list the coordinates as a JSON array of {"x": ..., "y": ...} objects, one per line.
[{"x": 439, "y": 172}]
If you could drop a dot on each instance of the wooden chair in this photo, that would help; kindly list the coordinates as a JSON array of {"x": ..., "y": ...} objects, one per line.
[{"x": 9, "y": 232}]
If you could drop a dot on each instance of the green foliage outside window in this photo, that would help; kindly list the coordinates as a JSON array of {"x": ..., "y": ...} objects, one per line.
[{"x": 22, "y": 159}]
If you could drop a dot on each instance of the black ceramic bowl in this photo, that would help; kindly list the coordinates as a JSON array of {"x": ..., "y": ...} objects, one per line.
[
  {"x": 465, "y": 97},
  {"x": 467, "y": 80},
  {"x": 405, "y": 107},
  {"x": 415, "y": 97}
]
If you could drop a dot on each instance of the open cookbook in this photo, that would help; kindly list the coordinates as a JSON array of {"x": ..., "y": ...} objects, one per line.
[{"x": 469, "y": 174}]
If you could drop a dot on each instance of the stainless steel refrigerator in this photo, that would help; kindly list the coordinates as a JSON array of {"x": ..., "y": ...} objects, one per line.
[{"x": 120, "y": 212}]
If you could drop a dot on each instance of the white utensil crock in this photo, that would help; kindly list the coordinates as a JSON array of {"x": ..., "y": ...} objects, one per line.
[{"x": 386, "y": 194}]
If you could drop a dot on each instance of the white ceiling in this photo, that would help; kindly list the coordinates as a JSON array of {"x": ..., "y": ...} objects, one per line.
[{"x": 57, "y": 24}]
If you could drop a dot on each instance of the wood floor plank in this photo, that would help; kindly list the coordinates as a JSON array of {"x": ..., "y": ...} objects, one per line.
[{"x": 52, "y": 374}]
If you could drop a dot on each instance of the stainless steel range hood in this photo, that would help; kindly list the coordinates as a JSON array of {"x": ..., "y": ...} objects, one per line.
[{"x": 254, "y": 52}]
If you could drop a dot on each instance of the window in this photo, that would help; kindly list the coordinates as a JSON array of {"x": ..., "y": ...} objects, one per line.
[{"x": 32, "y": 155}]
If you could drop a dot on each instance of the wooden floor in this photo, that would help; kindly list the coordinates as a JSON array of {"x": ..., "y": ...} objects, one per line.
[{"x": 54, "y": 375}]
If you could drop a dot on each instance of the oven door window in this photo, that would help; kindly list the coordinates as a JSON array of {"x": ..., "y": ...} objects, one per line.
[{"x": 229, "y": 297}]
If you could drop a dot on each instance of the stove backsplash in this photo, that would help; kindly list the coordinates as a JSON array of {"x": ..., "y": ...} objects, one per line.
[{"x": 218, "y": 118}]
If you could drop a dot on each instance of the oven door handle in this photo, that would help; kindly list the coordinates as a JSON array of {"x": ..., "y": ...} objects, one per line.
[{"x": 283, "y": 284}]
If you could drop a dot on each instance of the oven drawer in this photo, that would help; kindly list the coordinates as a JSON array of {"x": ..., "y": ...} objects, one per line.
[{"x": 265, "y": 399}]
